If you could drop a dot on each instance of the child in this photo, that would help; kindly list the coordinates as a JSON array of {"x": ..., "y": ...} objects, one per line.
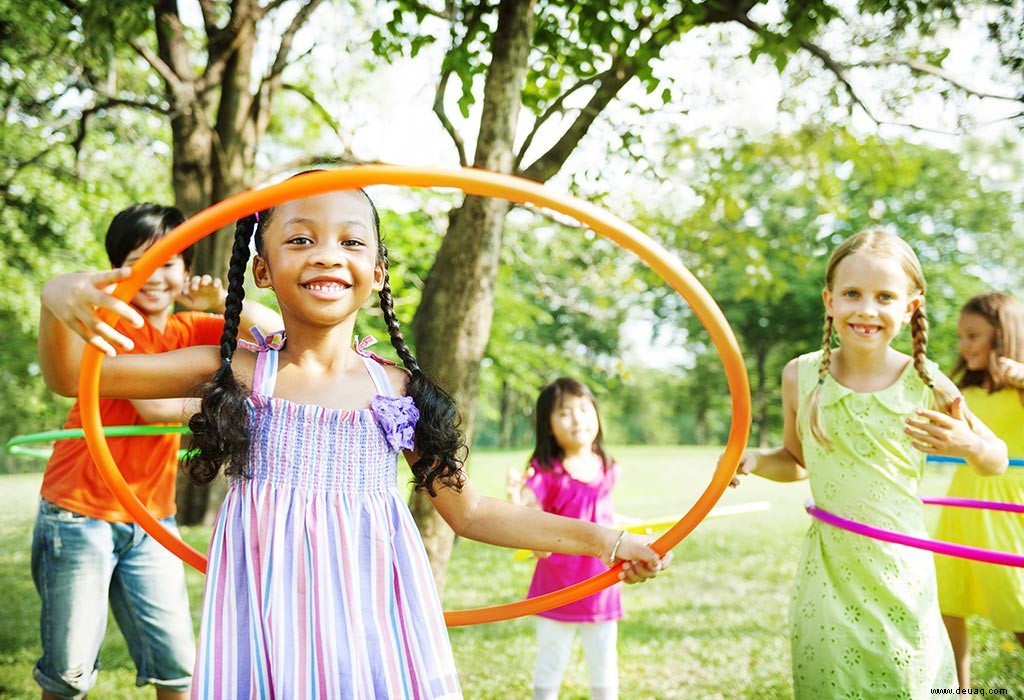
[
  {"x": 990, "y": 372},
  {"x": 85, "y": 548},
  {"x": 571, "y": 474},
  {"x": 318, "y": 584},
  {"x": 865, "y": 616}
]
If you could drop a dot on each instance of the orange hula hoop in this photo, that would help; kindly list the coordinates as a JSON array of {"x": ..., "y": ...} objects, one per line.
[{"x": 471, "y": 182}]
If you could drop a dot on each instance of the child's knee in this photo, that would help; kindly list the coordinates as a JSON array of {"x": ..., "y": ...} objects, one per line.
[{"x": 72, "y": 682}]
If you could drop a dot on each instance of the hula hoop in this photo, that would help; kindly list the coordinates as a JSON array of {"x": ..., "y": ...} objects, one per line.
[
  {"x": 648, "y": 527},
  {"x": 15, "y": 444},
  {"x": 949, "y": 549},
  {"x": 941, "y": 459},
  {"x": 471, "y": 182}
]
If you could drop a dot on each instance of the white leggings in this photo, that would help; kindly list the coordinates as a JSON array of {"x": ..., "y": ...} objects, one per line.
[{"x": 554, "y": 645}]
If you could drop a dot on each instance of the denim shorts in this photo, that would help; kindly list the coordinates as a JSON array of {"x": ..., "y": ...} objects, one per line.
[{"x": 78, "y": 565}]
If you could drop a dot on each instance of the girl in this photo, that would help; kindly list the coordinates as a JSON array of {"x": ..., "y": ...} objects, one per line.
[
  {"x": 865, "y": 616},
  {"x": 318, "y": 585},
  {"x": 571, "y": 474},
  {"x": 990, "y": 372}
]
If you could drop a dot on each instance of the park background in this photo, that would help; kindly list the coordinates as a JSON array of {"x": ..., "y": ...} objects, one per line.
[{"x": 746, "y": 137}]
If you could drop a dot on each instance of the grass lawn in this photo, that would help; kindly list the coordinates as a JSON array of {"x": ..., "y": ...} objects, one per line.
[{"x": 712, "y": 626}]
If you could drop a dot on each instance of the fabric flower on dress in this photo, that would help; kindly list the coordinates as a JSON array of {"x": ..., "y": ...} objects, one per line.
[{"x": 397, "y": 417}]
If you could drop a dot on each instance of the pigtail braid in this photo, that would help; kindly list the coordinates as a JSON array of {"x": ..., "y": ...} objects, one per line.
[
  {"x": 919, "y": 347},
  {"x": 814, "y": 400},
  {"x": 219, "y": 431},
  {"x": 440, "y": 444}
]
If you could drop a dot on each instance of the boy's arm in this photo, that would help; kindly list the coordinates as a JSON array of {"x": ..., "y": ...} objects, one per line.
[{"x": 68, "y": 320}]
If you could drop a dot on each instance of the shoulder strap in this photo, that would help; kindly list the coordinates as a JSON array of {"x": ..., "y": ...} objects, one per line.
[
  {"x": 265, "y": 376},
  {"x": 381, "y": 382}
]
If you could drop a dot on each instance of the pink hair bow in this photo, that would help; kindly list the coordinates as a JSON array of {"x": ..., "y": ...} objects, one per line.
[
  {"x": 360, "y": 346},
  {"x": 263, "y": 342}
]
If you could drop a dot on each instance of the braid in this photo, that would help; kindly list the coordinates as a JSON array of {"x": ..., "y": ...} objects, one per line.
[
  {"x": 219, "y": 432},
  {"x": 919, "y": 346},
  {"x": 440, "y": 443},
  {"x": 814, "y": 400},
  {"x": 387, "y": 306}
]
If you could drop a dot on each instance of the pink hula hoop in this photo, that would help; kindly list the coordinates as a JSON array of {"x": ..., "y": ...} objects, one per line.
[{"x": 949, "y": 549}]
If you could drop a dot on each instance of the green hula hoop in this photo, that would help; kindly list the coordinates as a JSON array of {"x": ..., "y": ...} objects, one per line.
[{"x": 18, "y": 445}]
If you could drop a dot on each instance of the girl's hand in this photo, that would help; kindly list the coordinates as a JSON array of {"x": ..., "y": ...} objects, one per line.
[
  {"x": 1013, "y": 372},
  {"x": 642, "y": 562},
  {"x": 515, "y": 480},
  {"x": 940, "y": 434},
  {"x": 75, "y": 299},
  {"x": 747, "y": 465},
  {"x": 203, "y": 293}
]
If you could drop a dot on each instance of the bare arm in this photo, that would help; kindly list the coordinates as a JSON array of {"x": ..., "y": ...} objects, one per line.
[
  {"x": 166, "y": 410},
  {"x": 499, "y": 522},
  {"x": 958, "y": 433},
  {"x": 785, "y": 463}
]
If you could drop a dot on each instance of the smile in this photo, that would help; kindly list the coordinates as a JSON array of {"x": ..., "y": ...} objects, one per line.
[
  {"x": 862, "y": 329},
  {"x": 327, "y": 290}
]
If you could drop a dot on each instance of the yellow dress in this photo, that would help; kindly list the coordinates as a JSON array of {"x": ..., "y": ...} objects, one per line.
[{"x": 969, "y": 587}]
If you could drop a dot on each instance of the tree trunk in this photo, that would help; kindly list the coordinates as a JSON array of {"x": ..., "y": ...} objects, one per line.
[
  {"x": 761, "y": 399},
  {"x": 453, "y": 321},
  {"x": 505, "y": 416}
]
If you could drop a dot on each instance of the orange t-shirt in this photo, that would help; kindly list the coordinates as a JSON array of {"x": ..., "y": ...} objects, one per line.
[{"x": 149, "y": 463}]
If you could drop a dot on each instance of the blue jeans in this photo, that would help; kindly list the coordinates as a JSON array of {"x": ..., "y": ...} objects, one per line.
[{"x": 78, "y": 564}]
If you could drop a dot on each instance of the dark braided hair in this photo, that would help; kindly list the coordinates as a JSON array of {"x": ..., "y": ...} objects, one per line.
[
  {"x": 440, "y": 443},
  {"x": 219, "y": 430}
]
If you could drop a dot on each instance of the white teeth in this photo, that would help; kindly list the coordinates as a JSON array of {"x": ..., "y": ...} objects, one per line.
[{"x": 325, "y": 287}]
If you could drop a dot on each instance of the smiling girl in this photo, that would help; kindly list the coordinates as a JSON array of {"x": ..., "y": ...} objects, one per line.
[
  {"x": 318, "y": 584},
  {"x": 990, "y": 372},
  {"x": 865, "y": 618}
]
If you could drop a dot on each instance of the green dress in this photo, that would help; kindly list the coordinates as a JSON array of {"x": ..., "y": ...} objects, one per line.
[{"x": 865, "y": 615}]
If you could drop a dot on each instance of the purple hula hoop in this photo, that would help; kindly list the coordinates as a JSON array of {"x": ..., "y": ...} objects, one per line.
[{"x": 963, "y": 551}]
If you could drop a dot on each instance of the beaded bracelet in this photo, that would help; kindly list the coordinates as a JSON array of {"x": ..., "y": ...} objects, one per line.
[{"x": 615, "y": 548}]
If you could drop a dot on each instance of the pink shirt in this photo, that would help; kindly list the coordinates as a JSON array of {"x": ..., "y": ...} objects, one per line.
[{"x": 561, "y": 494}]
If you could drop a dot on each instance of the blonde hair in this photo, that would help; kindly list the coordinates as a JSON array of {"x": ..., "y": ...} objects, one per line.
[
  {"x": 884, "y": 245},
  {"x": 1006, "y": 315}
]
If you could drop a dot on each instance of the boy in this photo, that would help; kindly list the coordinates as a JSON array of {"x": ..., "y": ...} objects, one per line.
[{"x": 86, "y": 550}]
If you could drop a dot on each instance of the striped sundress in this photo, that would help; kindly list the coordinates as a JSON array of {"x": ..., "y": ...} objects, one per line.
[{"x": 318, "y": 584}]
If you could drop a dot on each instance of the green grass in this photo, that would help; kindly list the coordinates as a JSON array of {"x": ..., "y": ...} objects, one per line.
[{"x": 712, "y": 626}]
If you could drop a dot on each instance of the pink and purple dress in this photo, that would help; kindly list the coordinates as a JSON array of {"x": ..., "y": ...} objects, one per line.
[
  {"x": 558, "y": 492},
  {"x": 318, "y": 583}
]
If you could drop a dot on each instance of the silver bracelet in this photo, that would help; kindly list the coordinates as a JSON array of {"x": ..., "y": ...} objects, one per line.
[{"x": 615, "y": 548}]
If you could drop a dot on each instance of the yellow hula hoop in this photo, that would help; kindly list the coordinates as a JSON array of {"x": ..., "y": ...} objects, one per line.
[{"x": 471, "y": 182}]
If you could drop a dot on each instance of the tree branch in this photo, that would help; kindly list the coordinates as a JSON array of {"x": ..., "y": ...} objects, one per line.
[
  {"x": 453, "y": 133},
  {"x": 270, "y": 7},
  {"x": 839, "y": 71},
  {"x": 209, "y": 11},
  {"x": 471, "y": 23},
  {"x": 936, "y": 71},
  {"x": 272, "y": 81},
  {"x": 556, "y": 107},
  {"x": 322, "y": 111},
  {"x": 162, "y": 69},
  {"x": 611, "y": 81}
]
